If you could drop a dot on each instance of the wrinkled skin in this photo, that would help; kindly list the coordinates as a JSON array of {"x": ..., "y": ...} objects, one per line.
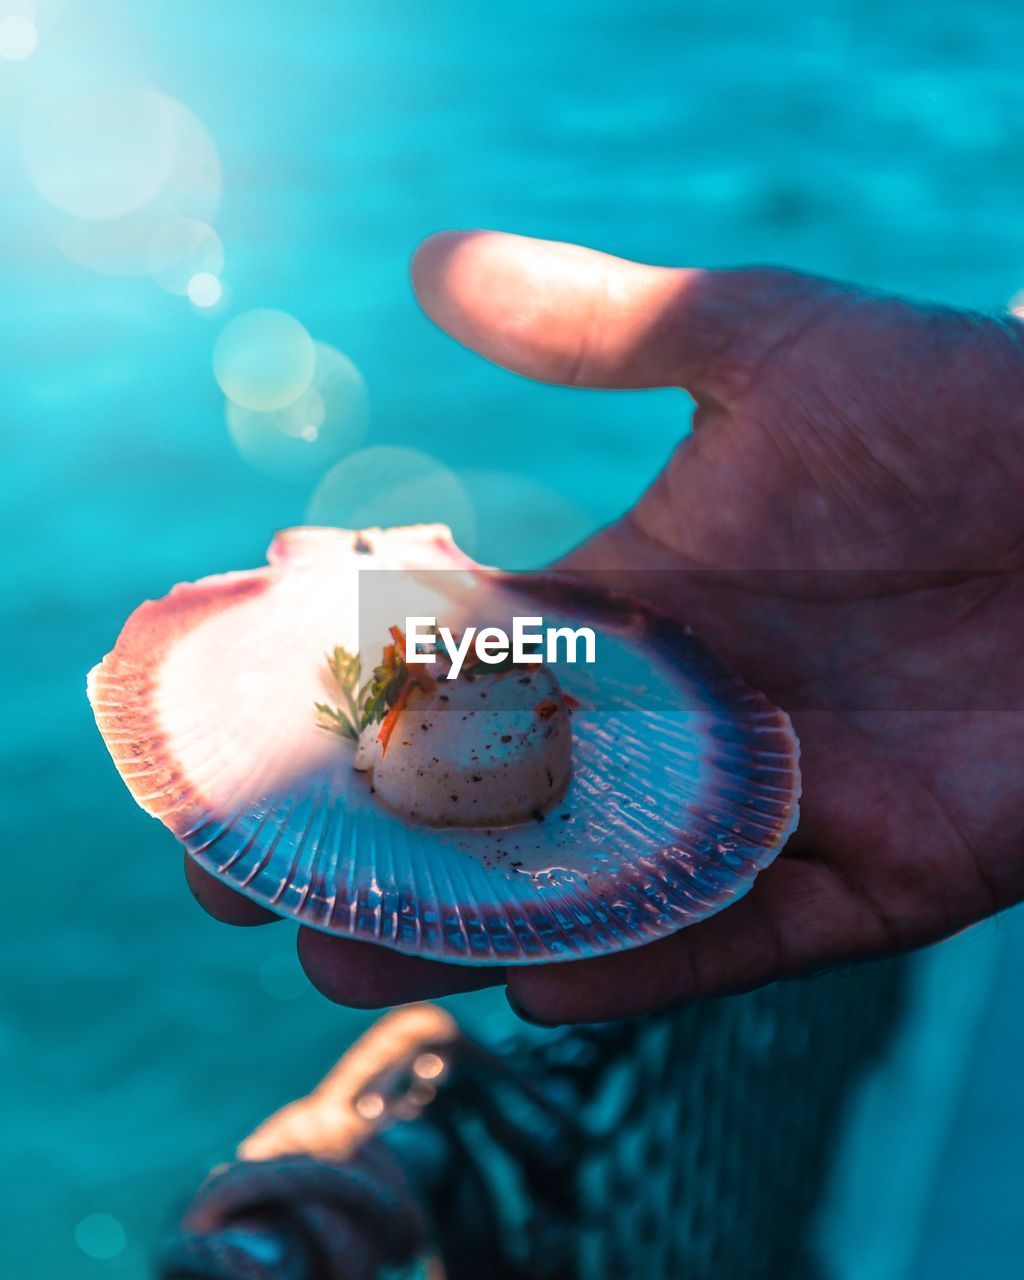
[{"x": 876, "y": 445}]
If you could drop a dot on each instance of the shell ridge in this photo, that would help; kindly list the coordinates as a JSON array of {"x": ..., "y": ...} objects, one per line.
[{"x": 300, "y": 848}]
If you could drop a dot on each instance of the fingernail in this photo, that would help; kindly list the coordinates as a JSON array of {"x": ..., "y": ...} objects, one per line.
[{"x": 524, "y": 1014}]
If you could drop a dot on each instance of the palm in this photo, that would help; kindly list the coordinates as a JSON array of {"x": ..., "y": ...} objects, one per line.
[
  {"x": 832, "y": 531},
  {"x": 842, "y": 527}
]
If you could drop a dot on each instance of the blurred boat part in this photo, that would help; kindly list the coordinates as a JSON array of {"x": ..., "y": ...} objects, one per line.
[{"x": 697, "y": 1143}]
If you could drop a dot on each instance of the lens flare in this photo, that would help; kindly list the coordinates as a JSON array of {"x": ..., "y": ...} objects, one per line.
[
  {"x": 180, "y": 250},
  {"x": 300, "y": 441},
  {"x": 264, "y": 360},
  {"x": 112, "y": 229},
  {"x": 390, "y": 485},
  {"x": 104, "y": 154},
  {"x": 204, "y": 289},
  {"x": 18, "y": 37},
  {"x": 521, "y": 523}
]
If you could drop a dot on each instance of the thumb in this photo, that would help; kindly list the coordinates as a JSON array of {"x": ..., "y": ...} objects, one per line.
[{"x": 565, "y": 314}]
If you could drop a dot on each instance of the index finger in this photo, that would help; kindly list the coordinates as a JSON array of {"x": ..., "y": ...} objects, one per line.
[{"x": 364, "y": 976}]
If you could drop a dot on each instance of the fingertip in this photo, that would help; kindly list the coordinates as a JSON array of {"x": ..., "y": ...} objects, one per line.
[
  {"x": 224, "y": 904},
  {"x": 556, "y": 994},
  {"x": 524, "y": 1014},
  {"x": 361, "y": 975},
  {"x": 465, "y": 281},
  {"x": 431, "y": 260}
]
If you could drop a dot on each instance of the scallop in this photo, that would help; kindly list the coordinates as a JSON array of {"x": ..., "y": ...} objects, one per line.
[
  {"x": 494, "y": 751},
  {"x": 521, "y": 811}
]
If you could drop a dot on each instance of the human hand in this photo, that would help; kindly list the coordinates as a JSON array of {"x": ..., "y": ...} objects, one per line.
[{"x": 843, "y": 527}]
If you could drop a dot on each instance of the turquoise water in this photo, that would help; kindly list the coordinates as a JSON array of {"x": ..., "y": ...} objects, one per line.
[{"x": 870, "y": 140}]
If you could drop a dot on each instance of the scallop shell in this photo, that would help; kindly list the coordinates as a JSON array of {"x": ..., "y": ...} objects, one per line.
[{"x": 685, "y": 781}]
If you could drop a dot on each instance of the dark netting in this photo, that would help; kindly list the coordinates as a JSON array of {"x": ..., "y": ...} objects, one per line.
[
  {"x": 708, "y": 1132},
  {"x": 712, "y": 1131}
]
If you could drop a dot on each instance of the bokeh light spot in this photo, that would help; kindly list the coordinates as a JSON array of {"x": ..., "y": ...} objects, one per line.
[
  {"x": 18, "y": 37},
  {"x": 182, "y": 249},
  {"x": 264, "y": 360},
  {"x": 370, "y": 1106},
  {"x": 300, "y": 441},
  {"x": 104, "y": 154},
  {"x": 204, "y": 289},
  {"x": 100, "y": 1236},
  {"x": 521, "y": 523},
  {"x": 308, "y": 414},
  {"x": 390, "y": 485},
  {"x": 428, "y": 1066},
  {"x": 190, "y": 190}
]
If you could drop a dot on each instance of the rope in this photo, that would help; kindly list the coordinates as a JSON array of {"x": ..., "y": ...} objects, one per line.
[{"x": 296, "y": 1218}]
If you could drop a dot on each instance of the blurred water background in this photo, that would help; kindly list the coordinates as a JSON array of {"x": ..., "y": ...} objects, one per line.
[{"x": 320, "y": 141}]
